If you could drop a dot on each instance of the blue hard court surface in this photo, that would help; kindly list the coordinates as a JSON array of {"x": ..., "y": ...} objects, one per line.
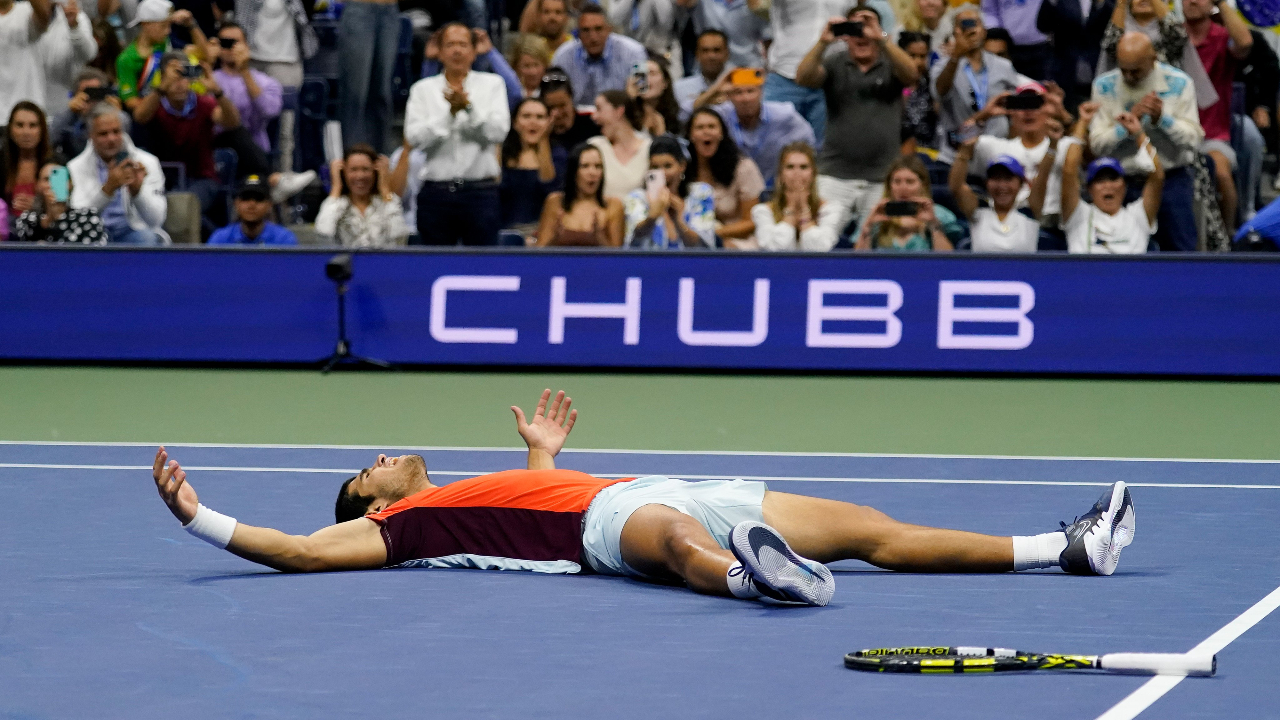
[{"x": 109, "y": 609}]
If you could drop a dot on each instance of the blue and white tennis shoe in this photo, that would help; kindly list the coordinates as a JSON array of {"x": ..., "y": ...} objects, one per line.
[{"x": 775, "y": 570}]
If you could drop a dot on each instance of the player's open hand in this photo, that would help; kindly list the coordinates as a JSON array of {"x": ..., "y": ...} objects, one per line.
[
  {"x": 171, "y": 481},
  {"x": 549, "y": 427}
]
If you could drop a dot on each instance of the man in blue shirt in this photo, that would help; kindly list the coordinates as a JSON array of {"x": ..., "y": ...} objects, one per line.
[
  {"x": 599, "y": 59},
  {"x": 761, "y": 128},
  {"x": 253, "y": 205}
]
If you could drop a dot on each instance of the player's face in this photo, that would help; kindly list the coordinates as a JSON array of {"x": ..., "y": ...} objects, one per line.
[{"x": 390, "y": 478}]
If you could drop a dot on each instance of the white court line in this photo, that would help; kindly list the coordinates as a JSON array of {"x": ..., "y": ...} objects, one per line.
[
  {"x": 765, "y": 478},
  {"x": 729, "y": 453},
  {"x": 1156, "y": 687}
]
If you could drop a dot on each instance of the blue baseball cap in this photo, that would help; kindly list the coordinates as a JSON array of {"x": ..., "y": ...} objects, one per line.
[
  {"x": 1010, "y": 163},
  {"x": 1101, "y": 164}
]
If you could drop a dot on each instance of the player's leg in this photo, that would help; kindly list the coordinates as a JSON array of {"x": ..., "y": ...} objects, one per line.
[
  {"x": 666, "y": 544},
  {"x": 829, "y": 530}
]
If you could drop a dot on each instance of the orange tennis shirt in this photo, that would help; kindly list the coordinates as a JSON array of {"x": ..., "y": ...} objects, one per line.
[{"x": 522, "y": 515}]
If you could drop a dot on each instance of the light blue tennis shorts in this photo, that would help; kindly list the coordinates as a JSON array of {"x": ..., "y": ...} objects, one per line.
[{"x": 717, "y": 505}]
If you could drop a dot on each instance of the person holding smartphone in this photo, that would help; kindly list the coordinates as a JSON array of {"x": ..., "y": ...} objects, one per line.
[
  {"x": 969, "y": 84},
  {"x": 69, "y": 130},
  {"x": 122, "y": 183},
  {"x": 53, "y": 220},
  {"x": 670, "y": 212},
  {"x": 906, "y": 218}
]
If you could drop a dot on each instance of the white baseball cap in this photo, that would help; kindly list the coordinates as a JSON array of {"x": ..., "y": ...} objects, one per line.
[{"x": 152, "y": 11}]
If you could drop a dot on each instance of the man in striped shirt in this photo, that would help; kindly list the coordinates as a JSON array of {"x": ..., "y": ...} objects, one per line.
[{"x": 719, "y": 537}]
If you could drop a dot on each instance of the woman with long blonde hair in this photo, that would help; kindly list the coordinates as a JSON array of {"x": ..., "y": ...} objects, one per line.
[{"x": 796, "y": 218}]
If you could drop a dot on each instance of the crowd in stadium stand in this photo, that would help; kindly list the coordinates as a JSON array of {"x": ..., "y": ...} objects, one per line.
[{"x": 1085, "y": 126}]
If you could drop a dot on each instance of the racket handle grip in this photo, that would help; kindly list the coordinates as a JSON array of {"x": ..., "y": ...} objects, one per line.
[{"x": 1199, "y": 664}]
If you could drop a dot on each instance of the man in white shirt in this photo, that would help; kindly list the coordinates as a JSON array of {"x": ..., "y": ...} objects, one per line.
[
  {"x": 124, "y": 184},
  {"x": 1163, "y": 101},
  {"x": 1028, "y": 142},
  {"x": 1106, "y": 225},
  {"x": 65, "y": 49},
  {"x": 22, "y": 77},
  {"x": 458, "y": 118}
]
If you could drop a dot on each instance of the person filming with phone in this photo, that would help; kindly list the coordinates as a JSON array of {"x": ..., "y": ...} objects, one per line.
[
  {"x": 969, "y": 86},
  {"x": 52, "y": 219},
  {"x": 863, "y": 89},
  {"x": 69, "y": 130},
  {"x": 670, "y": 212},
  {"x": 181, "y": 125},
  {"x": 906, "y": 218},
  {"x": 122, "y": 183}
]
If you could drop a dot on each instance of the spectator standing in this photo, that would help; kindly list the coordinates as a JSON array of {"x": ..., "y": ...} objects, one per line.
[
  {"x": 707, "y": 85},
  {"x": 548, "y": 19},
  {"x": 658, "y": 100},
  {"x": 599, "y": 59},
  {"x": 930, "y": 228},
  {"x": 532, "y": 168},
  {"x": 997, "y": 226},
  {"x": 863, "y": 87},
  {"x": 796, "y": 218},
  {"x": 795, "y": 25},
  {"x": 530, "y": 58},
  {"x": 735, "y": 181},
  {"x": 1220, "y": 48},
  {"x": 569, "y": 128},
  {"x": 69, "y": 132},
  {"x": 487, "y": 60},
  {"x": 934, "y": 19},
  {"x": 21, "y": 26},
  {"x": 53, "y": 220},
  {"x": 1106, "y": 224},
  {"x": 181, "y": 125},
  {"x": 26, "y": 150},
  {"x": 280, "y": 38},
  {"x": 458, "y": 118},
  {"x": 742, "y": 29},
  {"x": 1028, "y": 143},
  {"x": 124, "y": 184},
  {"x": 623, "y": 147},
  {"x": 1143, "y": 88},
  {"x": 139, "y": 64},
  {"x": 581, "y": 215},
  {"x": 968, "y": 82},
  {"x": 1153, "y": 19},
  {"x": 1077, "y": 27},
  {"x": 65, "y": 48},
  {"x": 674, "y": 213},
  {"x": 368, "y": 35},
  {"x": 1000, "y": 44},
  {"x": 649, "y": 22},
  {"x": 761, "y": 128},
  {"x": 1260, "y": 73},
  {"x": 252, "y": 226},
  {"x": 258, "y": 99},
  {"x": 1029, "y": 47},
  {"x": 919, "y": 117},
  {"x": 361, "y": 211}
]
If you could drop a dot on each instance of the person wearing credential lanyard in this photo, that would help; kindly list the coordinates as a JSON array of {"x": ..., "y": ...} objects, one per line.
[
  {"x": 761, "y": 128},
  {"x": 969, "y": 83}
]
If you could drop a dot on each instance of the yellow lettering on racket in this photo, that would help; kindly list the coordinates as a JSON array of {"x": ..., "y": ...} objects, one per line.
[{"x": 906, "y": 651}]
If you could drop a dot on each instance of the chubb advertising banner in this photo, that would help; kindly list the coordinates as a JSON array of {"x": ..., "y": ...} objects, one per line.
[{"x": 1041, "y": 314}]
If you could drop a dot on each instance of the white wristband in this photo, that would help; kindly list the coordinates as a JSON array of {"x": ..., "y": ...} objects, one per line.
[{"x": 212, "y": 527}]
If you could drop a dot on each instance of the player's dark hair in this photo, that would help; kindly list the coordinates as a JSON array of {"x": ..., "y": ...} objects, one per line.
[{"x": 350, "y": 506}]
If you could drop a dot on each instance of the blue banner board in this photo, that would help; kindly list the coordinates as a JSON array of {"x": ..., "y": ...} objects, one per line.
[{"x": 1187, "y": 314}]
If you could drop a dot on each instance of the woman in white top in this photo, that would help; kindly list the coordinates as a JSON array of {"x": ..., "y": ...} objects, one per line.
[
  {"x": 1106, "y": 225},
  {"x": 997, "y": 226},
  {"x": 354, "y": 215},
  {"x": 796, "y": 218},
  {"x": 625, "y": 150}
]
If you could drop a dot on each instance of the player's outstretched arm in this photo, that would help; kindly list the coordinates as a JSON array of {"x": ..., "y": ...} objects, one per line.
[
  {"x": 354, "y": 545},
  {"x": 546, "y": 432}
]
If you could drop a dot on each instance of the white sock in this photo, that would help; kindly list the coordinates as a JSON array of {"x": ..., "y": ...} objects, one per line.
[
  {"x": 1031, "y": 552},
  {"x": 740, "y": 582}
]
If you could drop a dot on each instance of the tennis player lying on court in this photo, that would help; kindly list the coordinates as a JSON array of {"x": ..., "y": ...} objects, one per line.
[{"x": 719, "y": 537}]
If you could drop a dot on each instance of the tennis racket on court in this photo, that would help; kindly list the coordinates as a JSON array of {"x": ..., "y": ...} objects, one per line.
[{"x": 931, "y": 660}]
